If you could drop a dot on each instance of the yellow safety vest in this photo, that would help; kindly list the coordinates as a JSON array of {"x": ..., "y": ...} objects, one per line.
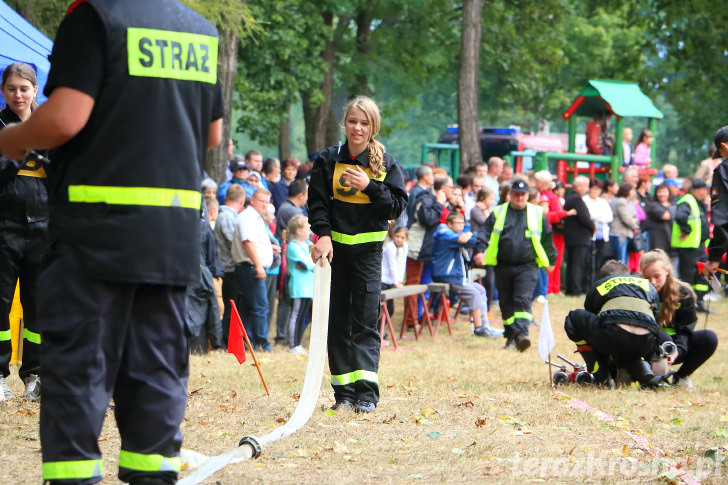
[
  {"x": 534, "y": 221},
  {"x": 693, "y": 239}
]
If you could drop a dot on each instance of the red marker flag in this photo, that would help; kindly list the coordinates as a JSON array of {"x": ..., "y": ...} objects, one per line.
[{"x": 236, "y": 343}]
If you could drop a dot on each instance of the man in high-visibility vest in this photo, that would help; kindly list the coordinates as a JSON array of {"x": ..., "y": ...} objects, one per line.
[
  {"x": 690, "y": 231},
  {"x": 519, "y": 241}
]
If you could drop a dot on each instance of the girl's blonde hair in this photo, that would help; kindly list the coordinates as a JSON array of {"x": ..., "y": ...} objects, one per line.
[
  {"x": 670, "y": 291},
  {"x": 376, "y": 149},
  {"x": 295, "y": 224}
]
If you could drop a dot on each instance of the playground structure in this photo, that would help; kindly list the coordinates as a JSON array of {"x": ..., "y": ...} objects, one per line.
[{"x": 600, "y": 99}]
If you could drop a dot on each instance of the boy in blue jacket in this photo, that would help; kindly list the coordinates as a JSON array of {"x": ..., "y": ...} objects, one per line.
[{"x": 448, "y": 266}]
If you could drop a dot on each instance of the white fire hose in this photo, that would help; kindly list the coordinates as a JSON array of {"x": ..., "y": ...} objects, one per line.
[{"x": 251, "y": 447}]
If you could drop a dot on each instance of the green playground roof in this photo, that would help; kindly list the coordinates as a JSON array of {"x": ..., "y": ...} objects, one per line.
[{"x": 606, "y": 98}]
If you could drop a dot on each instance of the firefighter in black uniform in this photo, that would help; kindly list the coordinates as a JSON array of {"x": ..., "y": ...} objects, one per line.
[
  {"x": 133, "y": 105},
  {"x": 690, "y": 231},
  {"x": 519, "y": 241},
  {"x": 617, "y": 326},
  {"x": 677, "y": 319},
  {"x": 355, "y": 190},
  {"x": 24, "y": 234},
  {"x": 718, "y": 206}
]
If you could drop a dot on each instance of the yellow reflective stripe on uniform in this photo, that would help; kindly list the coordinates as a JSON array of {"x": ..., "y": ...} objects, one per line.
[
  {"x": 364, "y": 237},
  {"x": 149, "y": 463},
  {"x": 4, "y": 335},
  {"x": 172, "y": 55},
  {"x": 669, "y": 331},
  {"x": 521, "y": 315},
  {"x": 70, "y": 470},
  {"x": 701, "y": 287},
  {"x": 146, "y": 196},
  {"x": 491, "y": 253},
  {"x": 357, "y": 375},
  {"x": 609, "y": 285},
  {"x": 581, "y": 342},
  {"x": 534, "y": 221},
  {"x": 31, "y": 336}
]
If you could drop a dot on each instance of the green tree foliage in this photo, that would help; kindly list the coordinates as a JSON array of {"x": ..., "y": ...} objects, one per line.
[
  {"x": 691, "y": 66},
  {"x": 277, "y": 64}
]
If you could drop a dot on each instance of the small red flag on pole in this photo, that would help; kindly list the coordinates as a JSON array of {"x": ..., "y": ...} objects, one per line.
[
  {"x": 236, "y": 338},
  {"x": 236, "y": 343}
]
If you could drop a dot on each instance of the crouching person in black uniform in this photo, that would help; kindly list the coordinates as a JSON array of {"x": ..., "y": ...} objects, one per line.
[
  {"x": 617, "y": 325},
  {"x": 132, "y": 124},
  {"x": 677, "y": 319},
  {"x": 355, "y": 190}
]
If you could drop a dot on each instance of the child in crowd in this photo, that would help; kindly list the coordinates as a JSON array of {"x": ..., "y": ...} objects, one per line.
[
  {"x": 643, "y": 151},
  {"x": 677, "y": 319},
  {"x": 478, "y": 215},
  {"x": 448, "y": 266},
  {"x": 300, "y": 281},
  {"x": 394, "y": 261}
]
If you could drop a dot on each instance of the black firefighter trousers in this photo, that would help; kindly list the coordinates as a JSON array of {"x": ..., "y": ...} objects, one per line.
[
  {"x": 515, "y": 284},
  {"x": 22, "y": 248},
  {"x": 104, "y": 340},
  {"x": 354, "y": 343}
]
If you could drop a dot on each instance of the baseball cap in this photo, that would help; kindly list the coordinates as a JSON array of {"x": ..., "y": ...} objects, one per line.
[
  {"x": 671, "y": 183},
  {"x": 519, "y": 186},
  {"x": 235, "y": 166},
  {"x": 699, "y": 184},
  {"x": 721, "y": 136}
]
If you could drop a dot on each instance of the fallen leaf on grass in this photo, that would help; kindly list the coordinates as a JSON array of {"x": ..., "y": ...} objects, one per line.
[
  {"x": 492, "y": 470},
  {"x": 467, "y": 404},
  {"x": 27, "y": 411},
  {"x": 339, "y": 448},
  {"x": 414, "y": 476},
  {"x": 625, "y": 450},
  {"x": 428, "y": 412},
  {"x": 676, "y": 422},
  {"x": 457, "y": 451},
  {"x": 720, "y": 433},
  {"x": 280, "y": 420},
  {"x": 480, "y": 421},
  {"x": 433, "y": 434},
  {"x": 296, "y": 395},
  {"x": 390, "y": 420}
]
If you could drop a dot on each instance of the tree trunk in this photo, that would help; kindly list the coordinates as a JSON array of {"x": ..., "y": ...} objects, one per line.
[
  {"x": 468, "y": 128},
  {"x": 227, "y": 66},
  {"x": 284, "y": 137},
  {"x": 363, "y": 52},
  {"x": 317, "y": 117}
]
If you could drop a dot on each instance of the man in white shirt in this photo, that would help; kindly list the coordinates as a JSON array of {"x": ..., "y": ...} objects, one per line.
[
  {"x": 253, "y": 251},
  {"x": 495, "y": 169}
]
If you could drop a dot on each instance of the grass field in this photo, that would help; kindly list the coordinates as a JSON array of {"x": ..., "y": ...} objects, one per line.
[{"x": 454, "y": 409}]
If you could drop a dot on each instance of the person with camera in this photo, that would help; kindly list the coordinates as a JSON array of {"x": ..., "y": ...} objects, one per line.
[
  {"x": 677, "y": 319},
  {"x": 24, "y": 237}
]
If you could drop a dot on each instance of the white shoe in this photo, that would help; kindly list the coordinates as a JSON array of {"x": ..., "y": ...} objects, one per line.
[
  {"x": 685, "y": 384},
  {"x": 541, "y": 299},
  {"x": 6, "y": 393},
  {"x": 32, "y": 387},
  {"x": 298, "y": 350}
]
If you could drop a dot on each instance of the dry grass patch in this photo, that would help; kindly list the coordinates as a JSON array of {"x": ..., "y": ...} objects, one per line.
[{"x": 453, "y": 409}]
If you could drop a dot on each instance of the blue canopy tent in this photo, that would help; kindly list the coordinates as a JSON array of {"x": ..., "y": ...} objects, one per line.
[{"x": 20, "y": 41}]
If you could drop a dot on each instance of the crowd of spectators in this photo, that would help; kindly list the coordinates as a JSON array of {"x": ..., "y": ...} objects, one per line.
[{"x": 597, "y": 220}]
